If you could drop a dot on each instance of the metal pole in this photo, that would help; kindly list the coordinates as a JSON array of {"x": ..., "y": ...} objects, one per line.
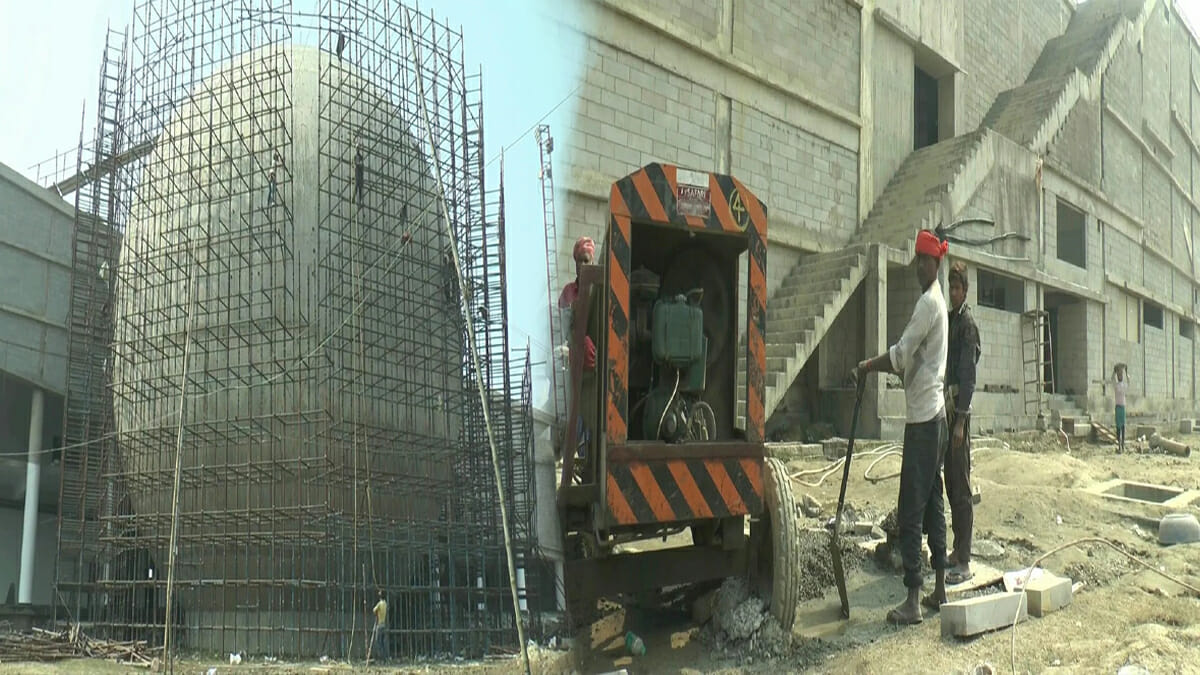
[{"x": 33, "y": 475}]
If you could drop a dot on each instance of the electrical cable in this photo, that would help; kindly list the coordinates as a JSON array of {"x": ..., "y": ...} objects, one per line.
[{"x": 1077, "y": 542}]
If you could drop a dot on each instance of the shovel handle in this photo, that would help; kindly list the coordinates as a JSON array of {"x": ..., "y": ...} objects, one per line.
[{"x": 858, "y": 397}]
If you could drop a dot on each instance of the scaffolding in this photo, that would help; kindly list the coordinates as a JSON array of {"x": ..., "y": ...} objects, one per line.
[{"x": 293, "y": 425}]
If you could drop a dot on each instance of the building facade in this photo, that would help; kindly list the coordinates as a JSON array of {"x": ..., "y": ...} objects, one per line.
[
  {"x": 35, "y": 279},
  {"x": 858, "y": 122}
]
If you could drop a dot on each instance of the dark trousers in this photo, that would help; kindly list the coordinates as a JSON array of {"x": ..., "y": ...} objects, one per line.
[
  {"x": 958, "y": 491},
  {"x": 920, "y": 504}
]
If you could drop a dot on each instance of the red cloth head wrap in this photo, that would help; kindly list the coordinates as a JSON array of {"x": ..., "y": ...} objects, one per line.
[
  {"x": 584, "y": 244},
  {"x": 927, "y": 243}
]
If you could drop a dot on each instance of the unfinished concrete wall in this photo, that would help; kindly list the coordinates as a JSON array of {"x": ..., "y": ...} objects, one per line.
[
  {"x": 892, "y": 93},
  {"x": 1071, "y": 368},
  {"x": 35, "y": 281},
  {"x": 816, "y": 41},
  {"x": 1002, "y": 41}
]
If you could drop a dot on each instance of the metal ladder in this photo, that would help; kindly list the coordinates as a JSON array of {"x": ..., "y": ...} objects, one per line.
[
  {"x": 1037, "y": 352},
  {"x": 558, "y": 394}
]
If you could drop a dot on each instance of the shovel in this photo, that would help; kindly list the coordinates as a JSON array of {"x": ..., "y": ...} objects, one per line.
[{"x": 835, "y": 548}]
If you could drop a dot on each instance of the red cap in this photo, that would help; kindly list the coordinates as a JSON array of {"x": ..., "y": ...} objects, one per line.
[
  {"x": 584, "y": 244},
  {"x": 928, "y": 243}
]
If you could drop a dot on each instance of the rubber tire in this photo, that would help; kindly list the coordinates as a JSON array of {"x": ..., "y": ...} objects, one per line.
[{"x": 779, "y": 522}]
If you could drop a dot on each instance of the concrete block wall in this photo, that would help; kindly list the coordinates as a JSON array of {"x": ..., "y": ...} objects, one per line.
[
  {"x": 808, "y": 181},
  {"x": 843, "y": 345},
  {"x": 891, "y": 81},
  {"x": 1077, "y": 146},
  {"x": 1002, "y": 41},
  {"x": 903, "y": 290},
  {"x": 1071, "y": 368},
  {"x": 819, "y": 43}
]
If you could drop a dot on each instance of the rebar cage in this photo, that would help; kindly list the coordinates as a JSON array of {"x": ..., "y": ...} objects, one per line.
[{"x": 269, "y": 356}]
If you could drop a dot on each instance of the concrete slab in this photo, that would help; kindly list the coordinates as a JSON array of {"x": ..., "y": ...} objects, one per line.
[
  {"x": 1048, "y": 593},
  {"x": 1162, "y": 497},
  {"x": 789, "y": 452},
  {"x": 964, "y": 618},
  {"x": 1081, "y": 430}
]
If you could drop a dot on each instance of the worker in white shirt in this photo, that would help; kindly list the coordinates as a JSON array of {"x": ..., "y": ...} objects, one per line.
[{"x": 920, "y": 358}]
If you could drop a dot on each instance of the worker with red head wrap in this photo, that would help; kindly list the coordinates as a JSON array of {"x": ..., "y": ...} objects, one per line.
[
  {"x": 919, "y": 357},
  {"x": 584, "y": 252}
]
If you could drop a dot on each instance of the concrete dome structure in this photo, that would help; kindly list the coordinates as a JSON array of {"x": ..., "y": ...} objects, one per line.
[{"x": 319, "y": 347}]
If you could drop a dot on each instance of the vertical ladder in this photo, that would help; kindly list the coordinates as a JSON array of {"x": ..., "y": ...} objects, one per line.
[
  {"x": 1038, "y": 354},
  {"x": 84, "y": 499},
  {"x": 558, "y": 391}
]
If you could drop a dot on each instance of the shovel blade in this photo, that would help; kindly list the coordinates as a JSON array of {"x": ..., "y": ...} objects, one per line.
[{"x": 839, "y": 572}]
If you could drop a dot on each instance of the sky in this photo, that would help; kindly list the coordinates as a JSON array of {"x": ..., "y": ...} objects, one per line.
[{"x": 50, "y": 65}]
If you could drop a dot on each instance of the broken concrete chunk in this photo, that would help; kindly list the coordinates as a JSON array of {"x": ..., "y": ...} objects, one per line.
[
  {"x": 863, "y": 527},
  {"x": 1048, "y": 593},
  {"x": 877, "y": 532},
  {"x": 986, "y": 549},
  {"x": 963, "y": 618}
]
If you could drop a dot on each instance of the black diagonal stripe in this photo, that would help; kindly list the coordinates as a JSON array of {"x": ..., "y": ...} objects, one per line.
[
  {"x": 633, "y": 494},
  {"x": 708, "y": 489},
  {"x": 620, "y": 247},
  {"x": 741, "y": 481},
  {"x": 727, "y": 187},
  {"x": 637, "y": 210},
  {"x": 666, "y": 196},
  {"x": 670, "y": 489}
]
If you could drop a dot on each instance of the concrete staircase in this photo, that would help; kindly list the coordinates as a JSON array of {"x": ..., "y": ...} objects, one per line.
[
  {"x": 798, "y": 316},
  {"x": 1072, "y": 414},
  {"x": 1070, "y": 67},
  {"x": 931, "y": 181}
]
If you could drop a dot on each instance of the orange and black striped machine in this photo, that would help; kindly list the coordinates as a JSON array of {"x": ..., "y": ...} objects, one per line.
[{"x": 665, "y": 433}]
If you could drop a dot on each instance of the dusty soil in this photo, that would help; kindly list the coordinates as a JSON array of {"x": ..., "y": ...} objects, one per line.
[{"x": 1033, "y": 501}]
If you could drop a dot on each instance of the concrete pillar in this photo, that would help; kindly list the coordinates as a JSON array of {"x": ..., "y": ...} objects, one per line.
[
  {"x": 866, "y": 112},
  {"x": 876, "y": 331},
  {"x": 33, "y": 475}
]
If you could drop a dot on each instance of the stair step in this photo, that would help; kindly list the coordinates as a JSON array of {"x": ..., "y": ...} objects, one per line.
[
  {"x": 781, "y": 349},
  {"x": 801, "y": 323},
  {"x": 813, "y": 310},
  {"x": 828, "y": 282},
  {"x": 811, "y": 296},
  {"x": 843, "y": 263}
]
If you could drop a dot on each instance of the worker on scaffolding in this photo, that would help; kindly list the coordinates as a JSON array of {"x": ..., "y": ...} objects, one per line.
[
  {"x": 583, "y": 253},
  {"x": 963, "y": 355},
  {"x": 359, "y": 171},
  {"x": 272, "y": 187},
  {"x": 920, "y": 357},
  {"x": 378, "y": 646}
]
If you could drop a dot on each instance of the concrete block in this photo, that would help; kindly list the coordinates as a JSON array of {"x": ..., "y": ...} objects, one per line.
[
  {"x": 1048, "y": 593},
  {"x": 1081, "y": 430},
  {"x": 963, "y": 618},
  {"x": 834, "y": 448},
  {"x": 1185, "y": 426},
  {"x": 1146, "y": 430}
]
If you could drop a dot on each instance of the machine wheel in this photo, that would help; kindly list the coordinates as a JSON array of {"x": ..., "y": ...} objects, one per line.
[{"x": 775, "y": 567}]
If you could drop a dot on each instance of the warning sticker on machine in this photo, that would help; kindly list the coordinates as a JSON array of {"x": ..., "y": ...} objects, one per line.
[{"x": 692, "y": 197}]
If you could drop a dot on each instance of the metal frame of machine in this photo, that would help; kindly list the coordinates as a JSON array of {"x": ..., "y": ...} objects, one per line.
[{"x": 618, "y": 485}]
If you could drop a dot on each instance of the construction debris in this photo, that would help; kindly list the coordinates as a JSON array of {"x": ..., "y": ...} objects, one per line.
[
  {"x": 47, "y": 645},
  {"x": 1158, "y": 442}
]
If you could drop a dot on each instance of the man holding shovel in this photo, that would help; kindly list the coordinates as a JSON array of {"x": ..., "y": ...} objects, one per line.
[{"x": 920, "y": 358}]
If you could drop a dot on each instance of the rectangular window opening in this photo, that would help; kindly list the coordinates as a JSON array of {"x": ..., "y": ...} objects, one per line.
[
  {"x": 925, "y": 109},
  {"x": 1000, "y": 292},
  {"x": 1187, "y": 329},
  {"x": 1072, "y": 235},
  {"x": 1152, "y": 315}
]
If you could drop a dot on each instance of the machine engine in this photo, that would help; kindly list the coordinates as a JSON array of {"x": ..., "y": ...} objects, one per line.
[{"x": 674, "y": 411}]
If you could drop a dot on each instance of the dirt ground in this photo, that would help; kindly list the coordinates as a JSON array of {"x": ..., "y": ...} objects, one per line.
[{"x": 1033, "y": 500}]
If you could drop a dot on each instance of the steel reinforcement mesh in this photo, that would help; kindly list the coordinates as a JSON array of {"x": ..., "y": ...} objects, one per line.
[{"x": 295, "y": 425}]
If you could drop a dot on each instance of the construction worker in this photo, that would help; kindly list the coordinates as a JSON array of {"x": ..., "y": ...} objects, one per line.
[
  {"x": 963, "y": 353},
  {"x": 378, "y": 647},
  {"x": 920, "y": 358},
  {"x": 358, "y": 171},
  {"x": 1120, "y": 388},
  {"x": 583, "y": 253},
  {"x": 272, "y": 188}
]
